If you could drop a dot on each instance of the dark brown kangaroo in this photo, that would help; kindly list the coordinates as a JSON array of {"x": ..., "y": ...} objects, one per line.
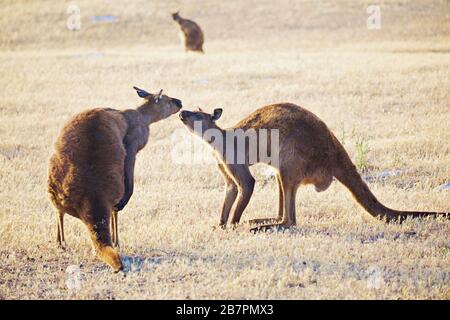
[
  {"x": 191, "y": 33},
  {"x": 92, "y": 171},
  {"x": 309, "y": 153}
]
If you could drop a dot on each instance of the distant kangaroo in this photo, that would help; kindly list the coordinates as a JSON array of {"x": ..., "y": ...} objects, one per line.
[
  {"x": 309, "y": 153},
  {"x": 91, "y": 173},
  {"x": 191, "y": 33}
]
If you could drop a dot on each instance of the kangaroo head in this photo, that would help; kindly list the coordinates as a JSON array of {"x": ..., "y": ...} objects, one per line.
[
  {"x": 176, "y": 16},
  {"x": 111, "y": 257},
  {"x": 200, "y": 121},
  {"x": 158, "y": 106}
]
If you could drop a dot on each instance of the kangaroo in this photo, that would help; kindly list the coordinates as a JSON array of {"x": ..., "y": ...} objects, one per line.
[
  {"x": 91, "y": 174},
  {"x": 309, "y": 153},
  {"x": 191, "y": 33}
]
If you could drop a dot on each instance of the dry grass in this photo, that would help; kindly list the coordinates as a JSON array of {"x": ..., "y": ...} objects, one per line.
[{"x": 388, "y": 87}]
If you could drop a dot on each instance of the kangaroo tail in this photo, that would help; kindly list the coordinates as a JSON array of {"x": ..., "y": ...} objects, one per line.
[
  {"x": 97, "y": 223},
  {"x": 349, "y": 176}
]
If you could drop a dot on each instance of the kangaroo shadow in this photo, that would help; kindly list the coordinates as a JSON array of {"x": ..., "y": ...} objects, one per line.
[
  {"x": 353, "y": 236},
  {"x": 152, "y": 258}
]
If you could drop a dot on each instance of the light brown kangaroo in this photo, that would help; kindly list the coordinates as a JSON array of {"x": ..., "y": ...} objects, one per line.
[
  {"x": 91, "y": 173},
  {"x": 191, "y": 33},
  {"x": 308, "y": 153}
]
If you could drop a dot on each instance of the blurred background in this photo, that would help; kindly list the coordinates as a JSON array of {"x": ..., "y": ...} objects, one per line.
[{"x": 42, "y": 24}]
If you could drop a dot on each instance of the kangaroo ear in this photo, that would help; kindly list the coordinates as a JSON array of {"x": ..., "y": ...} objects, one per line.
[
  {"x": 216, "y": 114},
  {"x": 141, "y": 93},
  {"x": 159, "y": 96}
]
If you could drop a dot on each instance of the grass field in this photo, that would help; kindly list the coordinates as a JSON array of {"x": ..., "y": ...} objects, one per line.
[{"x": 385, "y": 94}]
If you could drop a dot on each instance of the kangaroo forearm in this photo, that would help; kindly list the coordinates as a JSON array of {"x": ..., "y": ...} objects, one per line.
[
  {"x": 128, "y": 176},
  {"x": 230, "y": 197}
]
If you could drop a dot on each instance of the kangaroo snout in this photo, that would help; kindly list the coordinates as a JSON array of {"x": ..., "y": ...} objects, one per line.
[
  {"x": 177, "y": 102},
  {"x": 183, "y": 115}
]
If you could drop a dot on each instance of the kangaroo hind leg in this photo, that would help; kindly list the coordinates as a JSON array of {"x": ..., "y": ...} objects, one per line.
[{"x": 289, "y": 218}]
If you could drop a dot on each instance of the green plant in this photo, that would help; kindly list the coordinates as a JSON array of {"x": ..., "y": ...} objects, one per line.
[{"x": 362, "y": 150}]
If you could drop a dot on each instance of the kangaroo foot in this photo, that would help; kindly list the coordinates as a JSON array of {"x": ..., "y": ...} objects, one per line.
[
  {"x": 266, "y": 227},
  {"x": 264, "y": 221},
  {"x": 61, "y": 245},
  {"x": 219, "y": 227}
]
